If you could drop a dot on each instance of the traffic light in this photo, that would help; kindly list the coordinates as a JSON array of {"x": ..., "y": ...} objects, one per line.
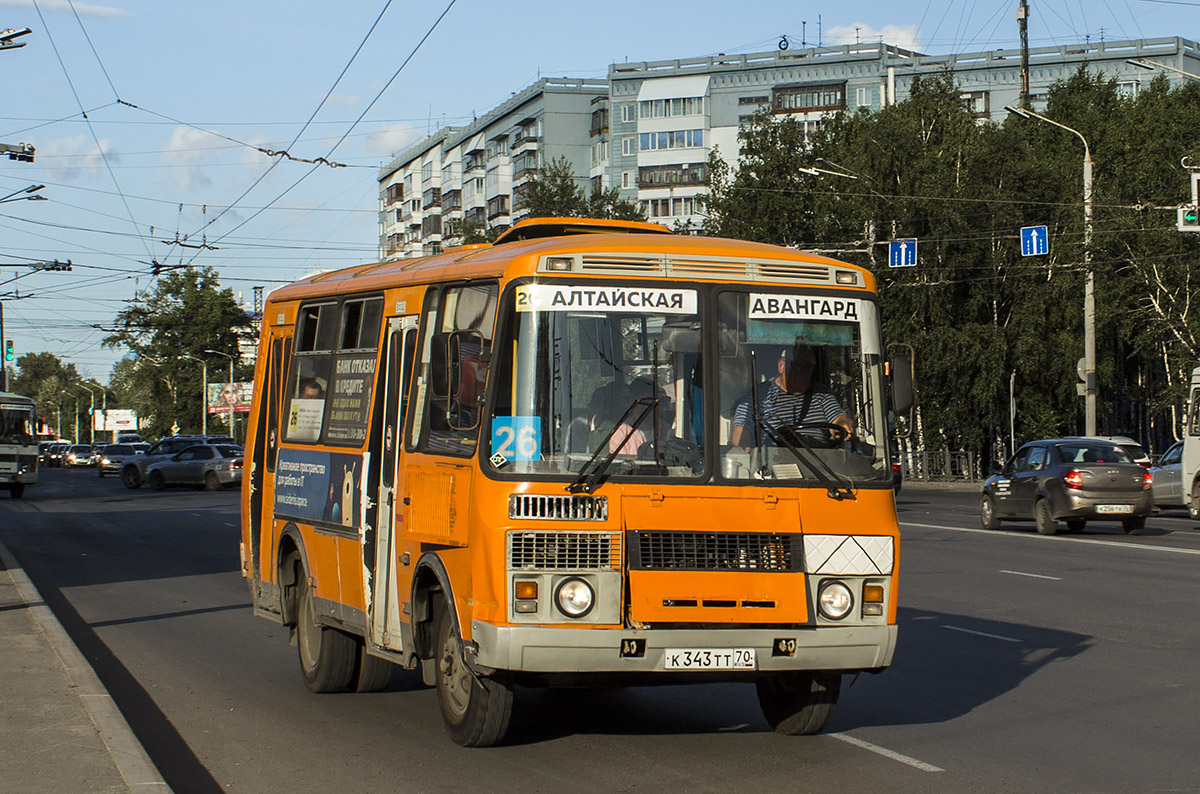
[
  {"x": 1188, "y": 219},
  {"x": 9, "y": 353}
]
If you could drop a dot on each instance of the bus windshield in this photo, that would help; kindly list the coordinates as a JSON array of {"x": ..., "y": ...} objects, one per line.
[
  {"x": 610, "y": 373},
  {"x": 612, "y": 377},
  {"x": 16, "y": 424},
  {"x": 800, "y": 386}
]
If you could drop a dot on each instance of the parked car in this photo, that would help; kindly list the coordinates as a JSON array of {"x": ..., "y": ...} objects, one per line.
[
  {"x": 127, "y": 438},
  {"x": 113, "y": 457},
  {"x": 133, "y": 471},
  {"x": 78, "y": 455},
  {"x": 1072, "y": 479},
  {"x": 209, "y": 466},
  {"x": 1167, "y": 478}
]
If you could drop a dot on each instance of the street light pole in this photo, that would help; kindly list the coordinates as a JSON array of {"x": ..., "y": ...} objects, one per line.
[
  {"x": 1089, "y": 291},
  {"x": 232, "y": 431},
  {"x": 91, "y": 413},
  {"x": 203, "y": 393}
]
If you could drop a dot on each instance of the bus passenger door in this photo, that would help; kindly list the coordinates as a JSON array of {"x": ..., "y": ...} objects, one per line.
[{"x": 384, "y": 600}]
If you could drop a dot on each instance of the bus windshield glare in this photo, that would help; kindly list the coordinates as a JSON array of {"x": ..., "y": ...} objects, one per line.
[{"x": 16, "y": 424}]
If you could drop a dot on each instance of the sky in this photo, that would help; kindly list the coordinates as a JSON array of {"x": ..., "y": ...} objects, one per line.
[{"x": 155, "y": 122}]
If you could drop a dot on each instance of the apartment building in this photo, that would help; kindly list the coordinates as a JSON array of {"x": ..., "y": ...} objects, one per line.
[
  {"x": 473, "y": 176},
  {"x": 650, "y": 127}
]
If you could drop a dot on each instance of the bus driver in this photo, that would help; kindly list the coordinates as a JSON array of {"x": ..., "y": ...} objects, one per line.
[{"x": 790, "y": 399}]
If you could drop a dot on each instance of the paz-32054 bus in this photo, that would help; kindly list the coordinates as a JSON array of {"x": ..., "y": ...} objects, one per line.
[{"x": 578, "y": 455}]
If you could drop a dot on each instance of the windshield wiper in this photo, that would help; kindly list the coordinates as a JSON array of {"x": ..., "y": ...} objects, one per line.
[
  {"x": 588, "y": 477},
  {"x": 836, "y": 486}
]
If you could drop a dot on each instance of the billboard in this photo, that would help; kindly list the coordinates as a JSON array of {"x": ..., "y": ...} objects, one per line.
[
  {"x": 116, "y": 421},
  {"x": 222, "y": 396}
]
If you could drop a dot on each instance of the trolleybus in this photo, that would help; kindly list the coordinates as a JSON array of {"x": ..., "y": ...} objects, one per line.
[{"x": 557, "y": 460}]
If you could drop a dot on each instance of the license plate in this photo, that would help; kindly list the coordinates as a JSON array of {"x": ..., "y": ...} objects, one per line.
[
  {"x": 1114, "y": 509},
  {"x": 710, "y": 659}
]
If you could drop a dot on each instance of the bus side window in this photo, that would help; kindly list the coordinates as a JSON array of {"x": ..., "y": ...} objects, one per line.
[
  {"x": 458, "y": 325},
  {"x": 311, "y": 359}
]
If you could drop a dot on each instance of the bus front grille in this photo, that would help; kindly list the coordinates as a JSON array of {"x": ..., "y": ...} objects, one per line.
[
  {"x": 560, "y": 551},
  {"x": 544, "y": 507},
  {"x": 716, "y": 551}
]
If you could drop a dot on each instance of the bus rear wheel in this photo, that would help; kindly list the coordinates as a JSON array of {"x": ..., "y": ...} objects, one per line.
[
  {"x": 371, "y": 673},
  {"x": 475, "y": 709},
  {"x": 327, "y": 656},
  {"x": 799, "y": 703}
]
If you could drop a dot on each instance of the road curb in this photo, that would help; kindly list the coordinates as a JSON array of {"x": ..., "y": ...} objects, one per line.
[{"x": 126, "y": 752}]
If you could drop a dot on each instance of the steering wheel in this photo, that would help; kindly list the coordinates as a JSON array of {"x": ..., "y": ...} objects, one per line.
[{"x": 831, "y": 434}]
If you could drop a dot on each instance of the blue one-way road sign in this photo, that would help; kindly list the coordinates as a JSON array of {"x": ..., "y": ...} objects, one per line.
[
  {"x": 902, "y": 253},
  {"x": 1034, "y": 241}
]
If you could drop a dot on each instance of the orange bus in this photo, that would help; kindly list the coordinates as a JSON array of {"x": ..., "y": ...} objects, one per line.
[{"x": 591, "y": 453}]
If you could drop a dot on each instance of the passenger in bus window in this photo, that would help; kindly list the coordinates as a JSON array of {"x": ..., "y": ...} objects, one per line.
[
  {"x": 790, "y": 400},
  {"x": 310, "y": 389}
]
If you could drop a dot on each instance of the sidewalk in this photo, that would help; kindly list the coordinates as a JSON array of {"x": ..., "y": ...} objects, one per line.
[{"x": 60, "y": 730}]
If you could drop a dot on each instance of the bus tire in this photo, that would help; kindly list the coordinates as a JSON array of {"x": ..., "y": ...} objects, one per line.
[
  {"x": 1046, "y": 525},
  {"x": 16, "y": 490},
  {"x": 371, "y": 673},
  {"x": 475, "y": 709},
  {"x": 327, "y": 656},
  {"x": 131, "y": 478},
  {"x": 799, "y": 703},
  {"x": 1193, "y": 504}
]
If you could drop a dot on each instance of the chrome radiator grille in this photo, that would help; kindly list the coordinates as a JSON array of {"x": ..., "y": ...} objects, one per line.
[
  {"x": 716, "y": 551},
  {"x": 558, "y": 508},
  {"x": 559, "y": 551}
]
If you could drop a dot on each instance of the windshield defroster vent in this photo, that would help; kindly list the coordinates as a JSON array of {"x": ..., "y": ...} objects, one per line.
[{"x": 544, "y": 507}]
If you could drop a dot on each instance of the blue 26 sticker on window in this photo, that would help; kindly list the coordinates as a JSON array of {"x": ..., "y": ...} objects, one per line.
[{"x": 517, "y": 437}]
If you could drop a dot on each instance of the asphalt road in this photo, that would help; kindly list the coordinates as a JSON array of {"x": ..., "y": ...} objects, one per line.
[{"x": 1025, "y": 664}]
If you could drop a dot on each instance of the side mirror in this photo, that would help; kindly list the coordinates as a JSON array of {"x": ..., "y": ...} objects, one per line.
[{"x": 902, "y": 385}]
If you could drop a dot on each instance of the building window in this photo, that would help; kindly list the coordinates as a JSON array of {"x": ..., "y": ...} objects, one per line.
[
  {"x": 978, "y": 104},
  {"x": 674, "y": 139},
  {"x": 663, "y": 108},
  {"x": 599, "y": 121},
  {"x": 629, "y": 146},
  {"x": 497, "y": 147},
  {"x": 663, "y": 175},
  {"x": 626, "y": 179},
  {"x": 862, "y": 96},
  {"x": 628, "y": 113},
  {"x": 426, "y": 172},
  {"x": 753, "y": 100},
  {"x": 669, "y": 207},
  {"x": 431, "y": 198},
  {"x": 395, "y": 193},
  {"x": 808, "y": 98},
  {"x": 1128, "y": 88}
]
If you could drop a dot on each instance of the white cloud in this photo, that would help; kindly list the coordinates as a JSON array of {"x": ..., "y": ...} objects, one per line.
[
  {"x": 83, "y": 9},
  {"x": 68, "y": 158},
  {"x": 190, "y": 150},
  {"x": 906, "y": 36},
  {"x": 390, "y": 140},
  {"x": 342, "y": 100}
]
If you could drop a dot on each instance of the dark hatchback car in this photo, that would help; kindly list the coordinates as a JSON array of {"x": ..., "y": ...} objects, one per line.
[{"x": 1069, "y": 479}]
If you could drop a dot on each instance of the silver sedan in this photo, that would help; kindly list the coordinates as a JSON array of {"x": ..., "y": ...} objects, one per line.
[
  {"x": 209, "y": 466},
  {"x": 1167, "y": 483}
]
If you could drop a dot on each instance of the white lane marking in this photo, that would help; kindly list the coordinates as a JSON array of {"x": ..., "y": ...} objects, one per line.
[
  {"x": 981, "y": 634},
  {"x": 1031, "y": 536},
  {"x": 886, "y": 753},
  {"x": 1033, "y": 575}
]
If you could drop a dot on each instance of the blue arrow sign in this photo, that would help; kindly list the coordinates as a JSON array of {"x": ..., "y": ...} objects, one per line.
[
  {"x": 1034, "y": 241},
  {"x": 902, "y": 253}
]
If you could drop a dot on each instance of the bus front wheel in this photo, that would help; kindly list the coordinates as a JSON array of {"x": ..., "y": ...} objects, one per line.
[
  {"x": 327, "y": 656},
  {"x": 799, "y": 703},
  {"x": 476, "y": 709},
  {"x": 17, "y": 490}
]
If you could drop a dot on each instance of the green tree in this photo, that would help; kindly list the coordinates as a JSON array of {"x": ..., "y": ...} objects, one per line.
[
  {"x": 552, "y": 192},
  {"x": 45, "y": 378},
  {"x": 183, "y": 315}
]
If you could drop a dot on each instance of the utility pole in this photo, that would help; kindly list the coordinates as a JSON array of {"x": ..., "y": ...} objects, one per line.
[
  {"x": 1023, "y": 24},
  {"x": 3, "y": 340}
]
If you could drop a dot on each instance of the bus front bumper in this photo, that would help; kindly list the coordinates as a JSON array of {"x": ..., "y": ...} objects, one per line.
[{"x": 539, "y": 649}]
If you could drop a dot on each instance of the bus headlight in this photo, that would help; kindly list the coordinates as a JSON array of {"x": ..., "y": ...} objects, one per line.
[
  {"x": 835, "y": 600},
  {"x": 574, "y": 597}
]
